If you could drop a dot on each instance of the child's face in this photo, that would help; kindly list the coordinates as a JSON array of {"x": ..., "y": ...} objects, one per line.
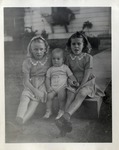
[
  {"x": 38, "y": 50},
  {"x": 77, "y": 45},
  {"x": 57, "y": 59}
]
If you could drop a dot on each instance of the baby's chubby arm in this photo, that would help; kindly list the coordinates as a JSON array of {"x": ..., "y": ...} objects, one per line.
[
  {"x": 27, "y": 83},
  {"x": 48, "y": 85}
]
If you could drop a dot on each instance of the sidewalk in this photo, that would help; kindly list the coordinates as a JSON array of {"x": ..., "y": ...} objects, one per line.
[{"x": 102, "y": 68}]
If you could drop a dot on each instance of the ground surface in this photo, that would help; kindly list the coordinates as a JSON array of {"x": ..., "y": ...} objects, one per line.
[{"x": 38, "y": 130}]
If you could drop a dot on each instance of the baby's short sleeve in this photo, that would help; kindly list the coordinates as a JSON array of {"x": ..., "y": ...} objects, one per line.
[
  {"x": 69, "y": 73},
  {"x": 26, "y": 66},
  {"x": 89, "y": 62}
]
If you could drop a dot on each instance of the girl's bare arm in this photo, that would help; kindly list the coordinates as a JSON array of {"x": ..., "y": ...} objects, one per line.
[
  {"x": 72, "y": 77},
  {"x": 86, "y": 76},
  {"x": 73, "y": 81}
]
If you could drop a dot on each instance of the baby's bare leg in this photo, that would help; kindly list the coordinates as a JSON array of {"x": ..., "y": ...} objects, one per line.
[
  {"x": 50, "y": 99},
  {"x": 61, "y": 99},
  {"x": 48, "y": 113}
]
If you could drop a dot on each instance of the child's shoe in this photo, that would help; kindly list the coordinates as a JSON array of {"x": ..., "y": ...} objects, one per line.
[
  {"x": 60, "y": 114},
  {"x": 47, "y": 114},
  {"x": 63, "y": 125}
]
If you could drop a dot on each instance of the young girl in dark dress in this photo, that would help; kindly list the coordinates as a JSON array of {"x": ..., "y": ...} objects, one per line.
[{"x": 81, "y": 64}]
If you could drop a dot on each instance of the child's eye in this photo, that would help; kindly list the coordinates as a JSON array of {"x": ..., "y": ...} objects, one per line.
[
  {"x": 36, "y": 49},
  {"x": 76, "y": 44},
  {"x": 73, "y": 43}
]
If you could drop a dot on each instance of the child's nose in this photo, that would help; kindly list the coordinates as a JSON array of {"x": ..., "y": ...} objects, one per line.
[
  {"x": 39, "y": 51},
  {"x": 76, "y": 45},
  {"x": 56, "y": 60}
]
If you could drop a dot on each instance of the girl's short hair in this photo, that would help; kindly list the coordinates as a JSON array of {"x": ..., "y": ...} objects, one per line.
[
  {"x": 37, "y": 38},
  {"x": 79, "y": 34},
  {"x": 59, "y": 50}
]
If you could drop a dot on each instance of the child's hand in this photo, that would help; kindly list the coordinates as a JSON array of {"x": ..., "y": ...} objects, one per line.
[
  {"x": 50, "y": 90},
  {"x": 38, "y": 94},
  {"x": 70, "y": 82},
  {"x": 75, "y": 84}
]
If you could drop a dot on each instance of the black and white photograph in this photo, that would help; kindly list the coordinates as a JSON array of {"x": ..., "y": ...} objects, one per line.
[{"x": 58, "y": 74}]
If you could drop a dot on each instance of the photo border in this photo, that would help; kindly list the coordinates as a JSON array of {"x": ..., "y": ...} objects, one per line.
[{"x": 115, "y": 76}]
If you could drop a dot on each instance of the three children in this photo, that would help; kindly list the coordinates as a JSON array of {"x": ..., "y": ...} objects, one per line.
[{"x": 72, "y": 82}]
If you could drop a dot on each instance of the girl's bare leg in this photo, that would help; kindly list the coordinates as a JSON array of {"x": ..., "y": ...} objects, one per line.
[
  {"x": 22, "y": 108},
  {"x": 70, "y": 98},
  {"x": 61, "y": 98},
  {"x": 64, "y": 123},
  {"x": 31, "y": 109},
  {"x": 80, "y": 97}
]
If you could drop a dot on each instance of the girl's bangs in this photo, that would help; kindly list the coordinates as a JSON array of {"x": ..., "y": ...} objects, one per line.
[{"x": 37, "y": 38}]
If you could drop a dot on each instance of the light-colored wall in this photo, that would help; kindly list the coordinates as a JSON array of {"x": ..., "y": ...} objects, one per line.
[
  {"x": 34, "y": 19},
  {"x": 99, "y": 16}
]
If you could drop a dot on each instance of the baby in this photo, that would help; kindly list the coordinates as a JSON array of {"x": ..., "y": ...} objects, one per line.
[{"x": 56, "y": 82}]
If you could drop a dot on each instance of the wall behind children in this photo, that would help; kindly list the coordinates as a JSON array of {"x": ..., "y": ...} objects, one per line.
[{"x": 38, "y": 19}]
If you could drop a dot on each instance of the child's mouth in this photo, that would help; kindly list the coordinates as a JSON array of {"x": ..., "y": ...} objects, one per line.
[
  {"x": 39, "y": 55},
  {"x": 56, "y": 64},
  {"x": 76, "y": 50}
]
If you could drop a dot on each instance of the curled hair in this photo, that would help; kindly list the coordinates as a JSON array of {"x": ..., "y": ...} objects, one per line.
[
  {"x": 87, "y": 47},
  {"x": 37, "y": 38}
]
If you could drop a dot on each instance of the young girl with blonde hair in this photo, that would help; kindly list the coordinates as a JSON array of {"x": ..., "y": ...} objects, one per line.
[{"x": 34, "y": 69}]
